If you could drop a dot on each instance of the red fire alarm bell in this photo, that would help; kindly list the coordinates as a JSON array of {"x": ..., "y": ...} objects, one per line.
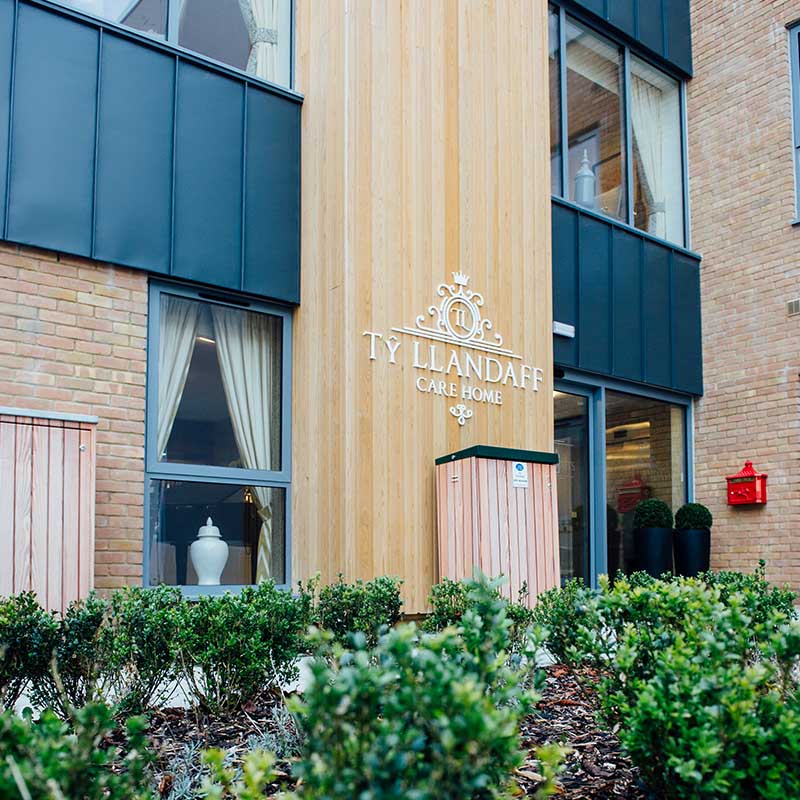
[{"x": 747, "y": 487}]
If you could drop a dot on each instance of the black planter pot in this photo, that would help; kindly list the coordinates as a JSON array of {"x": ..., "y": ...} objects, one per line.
[
  {"x": 653, "y": 548},
  {"x": 692, "y": 551}
]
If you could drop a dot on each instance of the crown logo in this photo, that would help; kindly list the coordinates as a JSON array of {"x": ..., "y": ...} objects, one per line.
[{"x": 460, "y": 279}]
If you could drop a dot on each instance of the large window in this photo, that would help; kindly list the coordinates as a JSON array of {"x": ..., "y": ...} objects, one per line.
[
  {"x": 645, "y": 457},
  {"x": 616, "y": 131},
  {"x": 794, "y": 54},
  {"x": 251, "y": 35},
  {"x": 217, "y": 439}
]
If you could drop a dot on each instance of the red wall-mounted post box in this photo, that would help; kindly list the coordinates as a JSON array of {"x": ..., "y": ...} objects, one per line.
[{"x": 747, "y": 487}]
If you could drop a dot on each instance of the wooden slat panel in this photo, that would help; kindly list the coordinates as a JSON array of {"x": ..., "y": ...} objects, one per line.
[
  {"x": 71, "y": 552},
  {"x": 86, "y": 511},
  {"x": 40, "y": 477},
  {"x": 7, "y": 506},
  {"x": 22, "y": 507},
  {"x": 55, "y": 528}
]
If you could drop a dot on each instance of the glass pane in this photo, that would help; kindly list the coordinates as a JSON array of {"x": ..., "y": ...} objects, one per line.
[
  {"x": 645, "y": 457},
  {"x": 572, "y": 446},
  {"x": 595, "y": 120},
  {"x": 251, "y": 521},
  {"x": 657, "y": 162},
  {"x": 148, "y": 16},
  {"x": 219, "y": 385},
  {"x": 555, "y": 105},
  {"x": 251, "y": 35}
]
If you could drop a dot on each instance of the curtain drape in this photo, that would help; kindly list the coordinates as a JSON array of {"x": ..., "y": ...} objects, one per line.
[
  {"x": 261, "y": 18},
  {"x": 648, "y": 135},
  {"x": 248, "y": 349},
  {"x": 178, "y": 330}
]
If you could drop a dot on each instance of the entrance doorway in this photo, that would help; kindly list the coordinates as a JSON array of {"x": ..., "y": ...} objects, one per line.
[{"x": 616, "y": 446}]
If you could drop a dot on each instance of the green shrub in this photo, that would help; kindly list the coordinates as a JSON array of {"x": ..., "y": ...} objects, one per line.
[
  {"x": 420, "y": 716},
  {"x": 652, "y": 513},
  {"x": 712, "y": 722},
  {"x": 28, "y": 636},
  {"x": 449, "y": 601},
  {"x": 693, "y": 516},
  {"x": 80, "y": 665},
  {"x": 233, "y": 646},
  {"x": 141, "y": 634},
  {"x": 45, "y": 760},
  {"x": 761, "y": 599},
  {"x": 560, "y": 612},
  {"x": 360, "y": 607}
]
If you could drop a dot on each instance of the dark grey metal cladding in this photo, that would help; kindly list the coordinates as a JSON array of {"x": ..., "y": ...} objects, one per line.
[
  {"x": 661, "y": 26},
  {"x": 125, "y": 151},
  {"x": 634, "y": 302}
]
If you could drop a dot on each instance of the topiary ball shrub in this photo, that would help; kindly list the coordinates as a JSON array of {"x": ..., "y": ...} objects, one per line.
[
  {"x": 693, "y": 516},
  {"x": 652, "y": 513}
]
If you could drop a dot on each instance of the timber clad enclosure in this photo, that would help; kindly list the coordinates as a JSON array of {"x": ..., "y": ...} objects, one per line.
[
  {"x": 47, "y": 488},
  {"x": 294, "y": 255}
]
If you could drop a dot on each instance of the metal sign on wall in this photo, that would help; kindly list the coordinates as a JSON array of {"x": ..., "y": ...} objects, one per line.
[{"x": 455, "y": 352}]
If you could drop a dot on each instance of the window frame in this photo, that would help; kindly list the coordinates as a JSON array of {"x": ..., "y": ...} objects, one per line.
[
  {"x": 794, "y": 73},
  {"x": 625, "y": 103},
  {"x": 155, "y": 470}
]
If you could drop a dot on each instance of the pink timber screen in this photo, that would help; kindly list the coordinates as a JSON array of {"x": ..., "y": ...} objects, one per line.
[
  {"x": 485, "y": 521},
  {"x": 47, "y": 497}
]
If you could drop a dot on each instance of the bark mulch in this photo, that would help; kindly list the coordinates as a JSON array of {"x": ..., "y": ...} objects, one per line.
[{"x": 596, "y": 767}]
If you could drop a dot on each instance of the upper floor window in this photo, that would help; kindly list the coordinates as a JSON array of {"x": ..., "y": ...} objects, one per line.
[
  {"x": 794, "y": 54},
  {"x": 616, "y": 132},
  {"x": 251, "y": 35}
]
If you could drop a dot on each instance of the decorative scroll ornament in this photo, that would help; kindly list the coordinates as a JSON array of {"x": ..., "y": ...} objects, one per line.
[
  {"x": 461, "y": 413},
  {"x": 458, "y": 319}
]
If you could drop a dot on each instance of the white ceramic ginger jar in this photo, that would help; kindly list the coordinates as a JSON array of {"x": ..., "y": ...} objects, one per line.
[{"x": 209, "y": 554}]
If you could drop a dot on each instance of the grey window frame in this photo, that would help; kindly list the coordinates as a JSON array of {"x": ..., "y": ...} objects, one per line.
[
  {"x": 625, "y": 101},
  {"x": 794, "y": 71},
  {"x": 157, "y": 470}
]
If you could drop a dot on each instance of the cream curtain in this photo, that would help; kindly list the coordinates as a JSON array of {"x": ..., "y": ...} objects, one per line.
[
  {"x": 261, "y": 18},
  {"x": 179, "y": 321},
  {"x": 248, "y": 349},
  {"x": 648, "y": 134}
]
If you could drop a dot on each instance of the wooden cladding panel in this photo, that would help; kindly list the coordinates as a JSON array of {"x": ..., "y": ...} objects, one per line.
[
  {"x": 424, "y": 152},
  {"x": 486, "y": 523},
  {"x": 47, "y": 488}
]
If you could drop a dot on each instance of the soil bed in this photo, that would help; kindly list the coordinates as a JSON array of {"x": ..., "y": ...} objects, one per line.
[{"x": 596, "y": 767}]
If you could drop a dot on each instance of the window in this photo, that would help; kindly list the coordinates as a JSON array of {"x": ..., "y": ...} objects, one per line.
[
  {"x": 794, "y": 54},
  {"x": 252, "y": 35},
  {"x": 621, "y": 120},
  {"x": 645, "y": 457},
  {"x": 217, "y": 438}
]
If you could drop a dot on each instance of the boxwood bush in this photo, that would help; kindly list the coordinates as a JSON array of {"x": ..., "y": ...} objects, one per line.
[
  {"x": 365, "y": 607},
  {"x": 420, "y": 715},
  {"x": 652, "y": 513},
  {"x": 54, "y": 760},
  {"x": 693, "y": 516},
  {"x": 234, "y": 646}
]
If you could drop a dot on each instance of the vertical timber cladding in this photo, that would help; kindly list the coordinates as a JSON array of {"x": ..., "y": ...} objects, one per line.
[{"x": 425, "y": 155}]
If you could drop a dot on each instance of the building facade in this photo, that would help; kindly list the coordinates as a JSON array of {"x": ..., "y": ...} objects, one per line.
[
  {"x": 742, "y": 147},
  {"x": 280, "y": 258}
]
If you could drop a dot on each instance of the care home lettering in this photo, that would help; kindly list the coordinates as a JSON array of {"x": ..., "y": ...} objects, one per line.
[{"x": 454, "y": 373}]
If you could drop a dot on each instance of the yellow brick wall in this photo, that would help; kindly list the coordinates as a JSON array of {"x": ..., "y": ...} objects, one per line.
[
  {"x": 72, "y": 339},
  {"x": 743, "y": 204}
]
